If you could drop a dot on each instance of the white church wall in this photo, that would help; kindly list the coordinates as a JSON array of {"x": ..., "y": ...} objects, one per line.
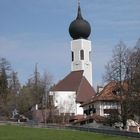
[
  {"x": 65, "y": 101},
  {"x": 79, "y": 110}
]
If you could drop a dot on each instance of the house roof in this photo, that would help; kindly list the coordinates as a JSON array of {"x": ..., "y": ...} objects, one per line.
[
  {"x": 76, "y": 117},
  {"x": 75, "y": 81},
  {"x": 95, "y": 117},
  {"x": 106, "y": 94}
]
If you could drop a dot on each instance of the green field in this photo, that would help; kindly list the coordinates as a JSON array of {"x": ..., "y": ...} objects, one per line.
[{"x": 26, "y": 133}]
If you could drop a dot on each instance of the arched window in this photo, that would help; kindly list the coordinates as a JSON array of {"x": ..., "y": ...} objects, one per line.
[
  {"x": 82, "y": 54},
  {"x": 72, "y": 56}
]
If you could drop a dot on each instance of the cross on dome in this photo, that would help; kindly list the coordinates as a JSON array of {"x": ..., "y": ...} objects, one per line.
[{"x": 78, "y": 2}]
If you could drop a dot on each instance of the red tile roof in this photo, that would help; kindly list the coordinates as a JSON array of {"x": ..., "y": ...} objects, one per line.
[
  {"x": 95, "y": 117},
  {"x": 109, "y": 92},
  {"x": 77, "y": 117},
  {"x": 75, "y": 81},
  {"x": 106, "y": 94}
]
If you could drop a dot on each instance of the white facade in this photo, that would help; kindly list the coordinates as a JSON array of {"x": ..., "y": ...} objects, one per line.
[
  {"x": 65, "y": 101},
  {"x": 79, "y": 110},
  {"x": 100, "y": 106},
  {"x": 108, "y": 105},
  {"x": 81, "y": 51}
]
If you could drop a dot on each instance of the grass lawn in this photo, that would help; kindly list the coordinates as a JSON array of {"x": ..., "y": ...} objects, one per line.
[{"x": 25, "y": 133}]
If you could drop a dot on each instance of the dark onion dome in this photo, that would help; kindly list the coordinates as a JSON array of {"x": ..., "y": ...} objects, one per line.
[{"x": 79, "y": 28}]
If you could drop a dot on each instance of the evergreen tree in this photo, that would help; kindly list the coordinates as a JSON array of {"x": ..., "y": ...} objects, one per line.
[{"x": 4, "y": 77}]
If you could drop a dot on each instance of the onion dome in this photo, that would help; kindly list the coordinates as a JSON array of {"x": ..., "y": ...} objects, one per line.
[{"x": 79, "y": 28}]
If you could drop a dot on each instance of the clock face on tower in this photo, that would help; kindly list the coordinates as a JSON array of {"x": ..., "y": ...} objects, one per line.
[
  {"x": 86, "y": 64},
  {"x": 77, "y": 66}
]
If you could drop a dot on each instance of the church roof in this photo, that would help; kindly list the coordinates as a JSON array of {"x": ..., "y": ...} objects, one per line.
[
  {"x": 85, "y": 91},
  {"x": 70, "y": 83},
  {"x": 75, "y": 81}
]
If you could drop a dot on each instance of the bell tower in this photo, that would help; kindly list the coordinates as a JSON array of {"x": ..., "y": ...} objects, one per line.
[{"x": 80, "y": 30}]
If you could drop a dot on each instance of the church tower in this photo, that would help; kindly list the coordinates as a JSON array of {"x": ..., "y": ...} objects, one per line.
[
  {"x": 80, "y": 30},
  {"x": 76, "y": 88}
]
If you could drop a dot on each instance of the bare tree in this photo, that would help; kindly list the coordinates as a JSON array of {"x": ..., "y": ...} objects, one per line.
[
  {"x": 116, "y": 67},
  {"x": 116, "y": 70},
  {"x": 134, "y": 80},
  {"x": 13, "y": 92},
  {"x": 35, "y": 92}
]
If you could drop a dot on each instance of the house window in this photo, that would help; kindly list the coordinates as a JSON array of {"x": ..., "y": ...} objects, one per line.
[
  {"x": 82, "y": 54},
  {"x": 82, "y": 123},
  {"x": 93, "y": 110},
  {"x": 72, "y": 56}
]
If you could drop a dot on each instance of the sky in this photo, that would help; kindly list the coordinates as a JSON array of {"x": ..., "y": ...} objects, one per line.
[{"x": 36, "y": 31}]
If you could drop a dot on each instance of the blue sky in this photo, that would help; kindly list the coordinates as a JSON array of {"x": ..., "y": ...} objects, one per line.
[{"x": 36, "y": 31}]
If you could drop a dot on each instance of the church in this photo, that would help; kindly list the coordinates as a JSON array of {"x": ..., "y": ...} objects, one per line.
[
  {"x": 76, "y": 88},
  {"x": 74, "y": 95}
]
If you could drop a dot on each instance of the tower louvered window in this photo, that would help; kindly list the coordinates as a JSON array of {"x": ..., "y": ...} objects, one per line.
[
  {"x": 72, "y": 56},
  {"x": 82, "y": 54}
]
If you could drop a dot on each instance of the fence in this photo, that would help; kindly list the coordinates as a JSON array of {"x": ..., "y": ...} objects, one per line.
[
  {"x": 89, "y": 129},
  {"x": 107, "y": 131}
]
